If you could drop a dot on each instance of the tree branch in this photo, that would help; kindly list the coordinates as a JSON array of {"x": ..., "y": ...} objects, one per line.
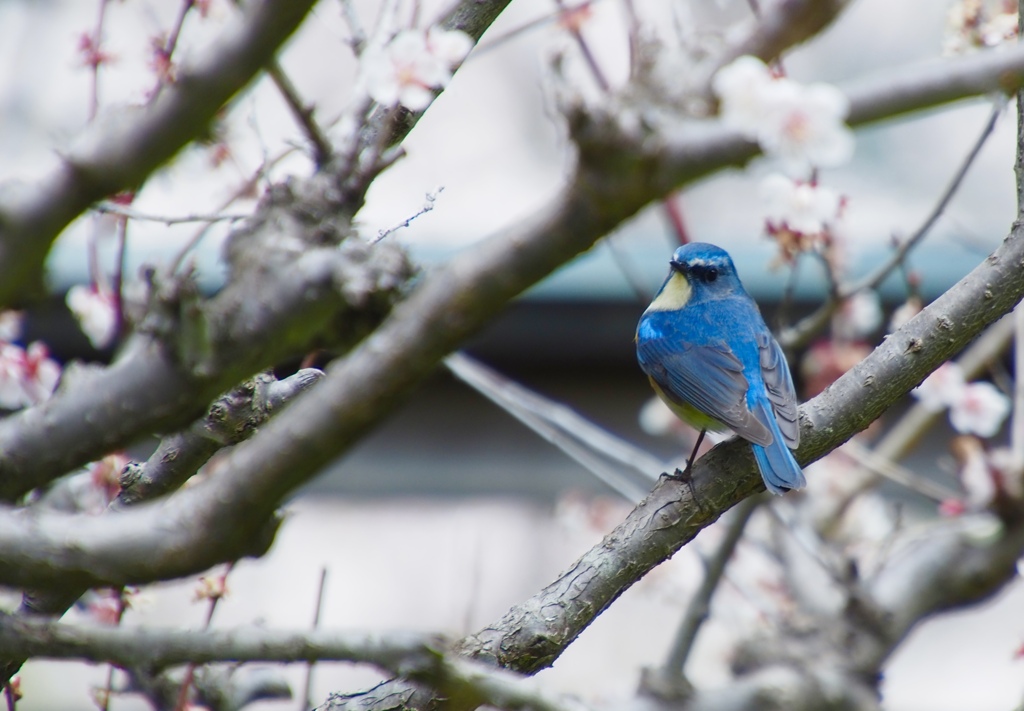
[{"x": 155, "y": 648}]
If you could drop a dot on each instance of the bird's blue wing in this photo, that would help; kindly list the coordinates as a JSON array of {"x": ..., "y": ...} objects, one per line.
[
  {"x": 707, "y": 377},
  {"x": 779, "y": 385}
]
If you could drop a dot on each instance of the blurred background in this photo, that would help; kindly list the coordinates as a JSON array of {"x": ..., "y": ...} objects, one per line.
[{"x": 451, "y": 512}]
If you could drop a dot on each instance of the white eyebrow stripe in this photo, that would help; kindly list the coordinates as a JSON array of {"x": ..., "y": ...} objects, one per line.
[{"x": 702, "y": 262}]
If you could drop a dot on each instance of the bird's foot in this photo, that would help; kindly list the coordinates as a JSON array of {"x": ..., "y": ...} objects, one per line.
[{"x": 684, "y": 477}]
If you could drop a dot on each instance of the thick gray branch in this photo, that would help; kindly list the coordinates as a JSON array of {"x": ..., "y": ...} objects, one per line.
[
  {"x": 119, "y": 153},
  {"x": 153, "y": 648}
]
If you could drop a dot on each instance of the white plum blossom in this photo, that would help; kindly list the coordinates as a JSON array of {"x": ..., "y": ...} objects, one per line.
[
  {"x": 742, "y": 87},
  {"x": 974, "y": 408},
  {"x": 803, "y": 125},
  {"x": 96, "y": 311},
  {"x": 942, "y": 388},
  {"x": 412, "y": 65},
  {"x": 977, "y": 24},
  {"x": 800, "y": 207},
  {"x": 980, "y": 410},
  {"x": 27, "y": 376}
]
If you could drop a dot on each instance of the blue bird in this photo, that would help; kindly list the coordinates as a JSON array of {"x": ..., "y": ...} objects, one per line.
[{"x": 710, "y": 357}]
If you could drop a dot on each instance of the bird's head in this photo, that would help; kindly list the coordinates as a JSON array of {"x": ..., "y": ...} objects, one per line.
[{"x": 698, "y": 270}]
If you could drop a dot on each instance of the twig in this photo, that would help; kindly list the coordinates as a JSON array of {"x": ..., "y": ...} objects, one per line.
[
  {"x": 175, "y": 33},
  {"x": 632, "y": 275},
  {"x": 96, "y": 59},
  {"x": 231, "y": 419},
  {"x": 178, "y": 457},
  {"x": 573, "y": 28},
  {"x": 119, "y": 267},
  {"x": 357, "y": 36},
  {"x": 245, "y": 189},
  {"x": 428, "y": 205},
  {"x": 308, "y": 685},
  {"x": 903, "y": 435},
  {"x": 871, "y": 460},
  {"x": 109, "y": 208},
  {"x": 870, "y": 281},
  {"x": 674, "y": 213},
  {"x": 578, "y": 438},
  {"x": 214, "y": 597},
  {"x": 121, "y": 607},
  {"x": 699, "y": 607},
  {"x": 798, "y": 335},
  {"x": 167, "y": 51},
  {"x": 303, "y": 114}
]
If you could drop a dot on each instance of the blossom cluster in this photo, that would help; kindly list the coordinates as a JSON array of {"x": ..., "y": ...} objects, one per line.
[
  {"x": 974, "y": 408},
  {"x": 800, "y": 216},
  {"x": 977, "y": 24},
  {"x": 27, "y": 375},
  {"x": 802, "y": 125},
  {"x": 415, "y": 63}
]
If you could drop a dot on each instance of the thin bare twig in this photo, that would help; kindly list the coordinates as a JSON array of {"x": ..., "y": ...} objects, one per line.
[
  {"x": 799, "y": 334},
  {"x": 357, "y": 36},
  {"x": 122, "y": 605},
  {"x": 95, "y": 59},
  {"x": 302, "y": 113},
  {"x": 872, "y": 280},
  {"x": 674, "y": 213},
  {"x": 428, "y": 205},
  {"x": 119, "y": 267},
  {"x": 108, "y": 208},
  {"x": 632, "y": 275},
  {"x": 600, "y": 452},
  {"x": 699, "y": 607},
  {"x": 572, "y": 27},
  {"x": 214, "y": 595},
  {"x": 308, "y": 685}
]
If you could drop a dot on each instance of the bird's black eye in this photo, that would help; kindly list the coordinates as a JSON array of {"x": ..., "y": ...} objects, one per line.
[{"x": 710, "y": 274}]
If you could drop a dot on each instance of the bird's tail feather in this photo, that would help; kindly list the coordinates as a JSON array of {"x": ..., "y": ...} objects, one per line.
[{"x": 778, "y": 467}]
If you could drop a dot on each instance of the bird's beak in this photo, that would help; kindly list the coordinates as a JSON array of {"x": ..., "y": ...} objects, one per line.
[{"x": 677, "y": 265}]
